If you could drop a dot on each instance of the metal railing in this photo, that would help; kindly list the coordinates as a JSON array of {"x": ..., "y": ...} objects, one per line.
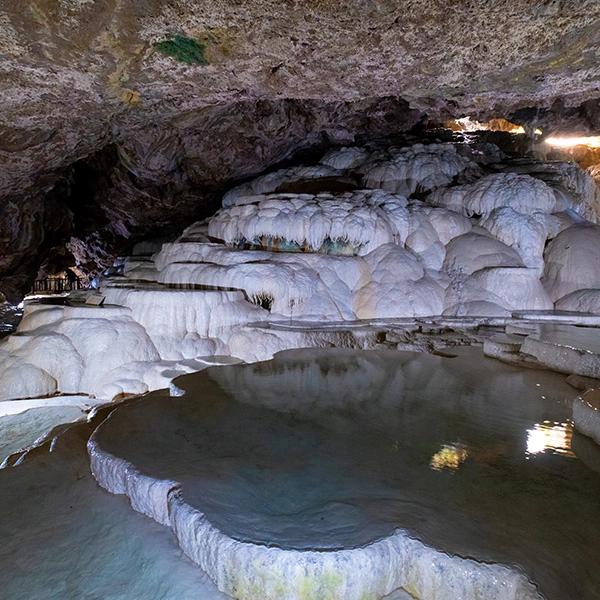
[{"x": 53, "y": 285}]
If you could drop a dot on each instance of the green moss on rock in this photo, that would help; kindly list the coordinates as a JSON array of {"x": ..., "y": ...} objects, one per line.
[{"x": 184, "y": 49}]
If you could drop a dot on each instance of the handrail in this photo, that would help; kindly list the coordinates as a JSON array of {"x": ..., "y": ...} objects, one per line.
[{"x": 53, "y": 285}]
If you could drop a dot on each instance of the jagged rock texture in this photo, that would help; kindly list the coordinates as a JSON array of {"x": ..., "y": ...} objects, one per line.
[{"x": 124, "y": 113}]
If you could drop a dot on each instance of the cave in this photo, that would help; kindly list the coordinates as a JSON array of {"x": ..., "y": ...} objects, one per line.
[{"x": 300, "y": 300}]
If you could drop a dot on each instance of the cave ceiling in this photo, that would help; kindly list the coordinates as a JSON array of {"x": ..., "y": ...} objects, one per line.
[{"x": 118, "y": 118}]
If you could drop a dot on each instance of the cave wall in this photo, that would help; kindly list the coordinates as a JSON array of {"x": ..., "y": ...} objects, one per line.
[
  {"x": 123, "y": 119},
  {"x": 157, "y": 181}
]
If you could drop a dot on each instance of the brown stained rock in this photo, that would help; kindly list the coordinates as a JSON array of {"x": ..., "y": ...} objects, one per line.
[
  {"x": 592, "y": 398},
  {"x": 583, "y": 383}
]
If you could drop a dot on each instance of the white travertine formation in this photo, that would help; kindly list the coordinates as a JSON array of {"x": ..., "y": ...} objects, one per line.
[
  {"x": 290, "y": 287},
  {"x": 363, "y": 220},
  {"x": 138, "y": 269},
  {"x": 348, "y": 157},
  {"x": 350, "y": 223},
  {"x": 566, "y": 348},
  {"x": 196, "y": 232},
  {"x": 514, "y": 286},
  {"x": 265, "y": 184},
  {"x": 313, "y": 286},
  {"x": 556, "y": 222},
  {"x": 586, "y": 301},
  {"x": 472, "y": 250},
  {"x": 197, "y": 252},
  {"x": 417, "y": 168},
  {"x": 105, "y": 352},
  {"x": 398, "y": 284},
  {"x": 75, "y": 347},
  {"x": 21, "y": 379},
  {"x": 527, "y": 234},
  {"x": 141, "y": 377},
  {"x": 256, "y": 343},
  {"x": 423, "y": 239},
  {"x": 571, "y": 261},
  {"x": 476, "y": 308},
  {"x": 522, "y": 193},
  {"x": 447, "y": 224},
  {"x": 582, "y": 194},
  {"x": 500, "y": 288},
  {"x": 250, "y": 571},
  {"x": 185, "y": 324},
  {"x": 575, "y": 188}
]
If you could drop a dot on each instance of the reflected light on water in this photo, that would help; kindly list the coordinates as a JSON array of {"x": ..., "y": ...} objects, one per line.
[
  {"x": 449, "y": 456},
  {"x": 552, "y": 436}
]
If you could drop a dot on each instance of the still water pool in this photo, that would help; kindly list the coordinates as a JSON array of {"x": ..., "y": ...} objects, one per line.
[{"x": 329, "y": 449}]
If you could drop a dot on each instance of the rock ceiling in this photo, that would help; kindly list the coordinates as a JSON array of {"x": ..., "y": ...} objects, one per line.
[{"x": 150, "y": 104}]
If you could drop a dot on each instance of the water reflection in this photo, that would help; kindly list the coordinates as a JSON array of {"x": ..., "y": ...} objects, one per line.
[
  {"x": 335, "y": 448},
  {"x": 550, "y": 436},
  {"x": 449, "y": 456}
]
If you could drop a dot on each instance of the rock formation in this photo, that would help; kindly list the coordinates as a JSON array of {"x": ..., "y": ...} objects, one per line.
[
  {"x": 229, "y": 180},
  {"x": 120, "y": 121},
  {"x": 470, "y": 239}
]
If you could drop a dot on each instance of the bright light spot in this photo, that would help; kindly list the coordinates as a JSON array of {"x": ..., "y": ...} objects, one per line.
[
  {"x": 592, "y": 141},
  {"x": 554, "y": 437},
  {"x": 449, "y": 456},
  {"x": 467, "y": 124}
]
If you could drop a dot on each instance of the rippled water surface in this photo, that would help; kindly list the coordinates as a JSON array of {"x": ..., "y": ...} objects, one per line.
[{"x": 337, "y": 448}]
